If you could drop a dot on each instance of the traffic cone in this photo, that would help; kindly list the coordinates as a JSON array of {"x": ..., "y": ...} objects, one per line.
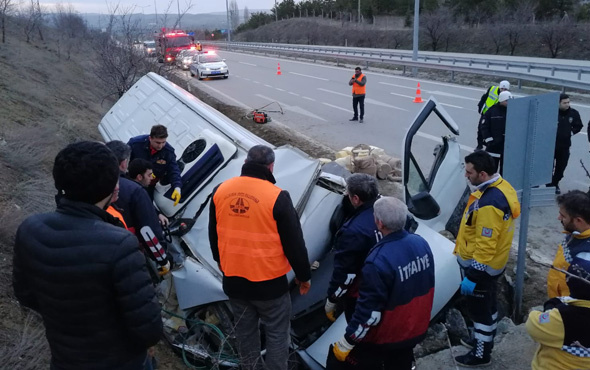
[
  {"x": 418, "y": 98},
  {"x": 279, "y": 70}
]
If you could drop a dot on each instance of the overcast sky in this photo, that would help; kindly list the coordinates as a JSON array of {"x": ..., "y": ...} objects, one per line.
[{"x": 148, "y": 7}]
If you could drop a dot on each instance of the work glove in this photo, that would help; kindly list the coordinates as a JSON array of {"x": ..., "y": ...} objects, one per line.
[
  {"x": 163, "y": 270},
  {"x": 303, "y": 286},
  {"x": 467, "y": 286},
  {"x": 330, "y": 308},
  {"x": 341, "y": 349},
  {"x": 176, "y": 196}
]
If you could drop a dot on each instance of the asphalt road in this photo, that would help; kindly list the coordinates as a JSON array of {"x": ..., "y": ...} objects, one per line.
[{"x": 316, "y": 101}]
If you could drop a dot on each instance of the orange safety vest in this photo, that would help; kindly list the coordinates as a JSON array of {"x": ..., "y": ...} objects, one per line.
[
  {"x": 248, "y": 239},
  {"x": 116, "y": 214},
  {"x": 356, "y": 88}
]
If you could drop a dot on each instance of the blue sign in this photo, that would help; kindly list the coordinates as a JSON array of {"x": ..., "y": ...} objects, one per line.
[{"x": 191, "y": 33}]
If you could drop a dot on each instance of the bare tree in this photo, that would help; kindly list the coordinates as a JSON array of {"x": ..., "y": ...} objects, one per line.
[
  {"x": 234, "y": 14},
  {"x": 33, "y": 19},
  {"x": 70, "y": 27},
  {"x": 6, "y": 8},
  {"x": 246, "y": 14},
  {"x": 434, "y": 25},
  {"x": 556, "y": 35}
]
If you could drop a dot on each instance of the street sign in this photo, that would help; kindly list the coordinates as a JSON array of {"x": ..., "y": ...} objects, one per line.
[{"x": 531, "y": 128}]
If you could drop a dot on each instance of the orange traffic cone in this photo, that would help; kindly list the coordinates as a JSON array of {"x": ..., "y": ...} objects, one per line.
[
  {"x": 418, "y": 98},
  {"x": 279, "y": 70}
]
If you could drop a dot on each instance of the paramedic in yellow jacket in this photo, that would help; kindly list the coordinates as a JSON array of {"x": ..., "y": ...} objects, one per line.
[
  {"x": 574, "y": 214},
  {"x": 482, "y": 248},
  {"x": 563, "y": 330}
]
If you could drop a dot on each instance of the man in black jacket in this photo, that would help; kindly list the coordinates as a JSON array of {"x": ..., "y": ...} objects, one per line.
[
  {"x": 256, "y": 239},
  {"x": 569, "y": 123},
  {"x": 83, "y": 272},
  {"x": 493, "y": 128}
]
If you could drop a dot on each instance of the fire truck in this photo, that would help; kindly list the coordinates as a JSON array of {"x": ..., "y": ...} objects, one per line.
[{"x": 170, "y": 42}]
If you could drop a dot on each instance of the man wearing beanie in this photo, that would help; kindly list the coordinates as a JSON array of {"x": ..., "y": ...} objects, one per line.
[
  {"x": 83, "y": 272},
  {"x": 563, "y": 329},
  {"x": 493, "y": 128}
]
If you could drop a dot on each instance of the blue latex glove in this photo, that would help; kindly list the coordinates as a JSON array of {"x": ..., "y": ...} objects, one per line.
[{"x": 467, "y": 286}]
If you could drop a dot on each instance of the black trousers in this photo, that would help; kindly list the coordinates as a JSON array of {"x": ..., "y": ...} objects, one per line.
[
  {"x": 562, "y": 156},
  {"x": 358, "y": 100},
  {"x": 480, "y": 133},
  {"x": 372, "y": 357}
]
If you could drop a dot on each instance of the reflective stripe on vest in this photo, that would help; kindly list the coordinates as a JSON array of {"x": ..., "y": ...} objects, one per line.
[
  {"x": 492, "y": 98},
  {"x": 248, "y": 240},
  {"x": 358, "y": 89}
]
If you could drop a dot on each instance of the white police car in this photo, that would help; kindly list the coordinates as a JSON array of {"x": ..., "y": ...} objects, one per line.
[{"x": 209, "y": 64}]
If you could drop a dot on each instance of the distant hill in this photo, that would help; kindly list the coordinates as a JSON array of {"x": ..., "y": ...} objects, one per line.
[{"x": 209, "y": 21}]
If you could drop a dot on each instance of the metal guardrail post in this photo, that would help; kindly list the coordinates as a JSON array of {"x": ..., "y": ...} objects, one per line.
[
  {"x": 452, "y": 76},
  {"x": 579, "y": 74},
  {"x": 553, "y": 71},
  {"x": 404, "y": 71},
  {"x": 519, "y": 84},
  {"x": 367, "y": 64},
  {"x": 528, "y": 69},
  {"x": 507, "y": 66}
]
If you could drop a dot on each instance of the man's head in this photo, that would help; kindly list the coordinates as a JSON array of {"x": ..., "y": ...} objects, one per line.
[
  {"x": 357, "y": 71},
  {"x": 140, "y": 170},
  {"x": 158, "y": 136},
  {"x": 564, "y": 102},
  {"x": 86, "y": 171},
  {"x": 263, "y": 155},
  {"x": 122, "y": 151},
  {"x": 479, "y": 167},
  {"x": 574, "y": 211},
  {"x": 390, "y": 214},
  {"x": 361, "y": 188},
  {"x": 504, "y": 97},
  {"x": 504, "y": 86}
]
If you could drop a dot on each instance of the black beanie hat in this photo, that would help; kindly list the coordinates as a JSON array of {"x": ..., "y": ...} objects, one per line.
[{"x": 86, "y": 171}]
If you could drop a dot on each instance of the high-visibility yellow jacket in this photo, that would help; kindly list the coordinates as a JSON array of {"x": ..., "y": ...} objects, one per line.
[
  {"x": 493, "y": 94},
  {"x": 563, "y": 334},
  {"x": 487, "y": 227},
  {"x": 573, "y": 246}
]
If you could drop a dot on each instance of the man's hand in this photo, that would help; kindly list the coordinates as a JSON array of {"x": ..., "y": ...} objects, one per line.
[
  {"x": 467, "y": 286},
  {"x": 176, "y": 196},
  {"x": 163, "y": 220},
  {"x": 303, "y": 286},
  {"x": 341, "y": 349},
  {"x": 330, "y": 309},
  {"x": 163, "y": 270}
]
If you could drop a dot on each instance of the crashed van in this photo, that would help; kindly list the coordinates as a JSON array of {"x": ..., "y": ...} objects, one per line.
[{"x": 211, "y": 148}]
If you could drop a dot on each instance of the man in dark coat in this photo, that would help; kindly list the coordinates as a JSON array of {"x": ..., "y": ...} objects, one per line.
[
  {"x": 569, "y": 123},
  {"x": 83, "y": 272},
  {"x": 154, "y": 148},
  {"x": 493, "y": 128}
]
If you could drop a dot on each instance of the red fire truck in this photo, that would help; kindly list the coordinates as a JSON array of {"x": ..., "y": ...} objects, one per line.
[{"x": 170, "y": 42}]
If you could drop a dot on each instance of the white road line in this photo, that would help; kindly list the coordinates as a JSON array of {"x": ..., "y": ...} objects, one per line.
[
  {"x": 308, "y": 98},
  {"x": 335, "y": 92},
  {"x": 249, "y": 64},
  {"x": 402, "y": 95},
  {"x": 450, "y": 95},
  {"x": 268, "y": 86},
  {"x": 368, "y": 101},
  {"x": 438, "y": 139},
  {"x": 402, "y": 86},
  {"x": 317, "y": 78},
  {"x": 247, "y": 79},
  {"x": 256, "y": 82},
  {"x": 279, "y": 89},
  {"x": 337, "y": 107},
  {"x": 292, "y": 93},
  {"x": 293, "y": 108},
  {"x": 451, "y": 105}
]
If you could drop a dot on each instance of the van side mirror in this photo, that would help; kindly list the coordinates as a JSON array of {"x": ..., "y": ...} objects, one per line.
[{"x": 423, "y": 206}]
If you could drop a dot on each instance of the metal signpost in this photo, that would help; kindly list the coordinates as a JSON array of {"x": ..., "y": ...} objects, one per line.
[{"x": 531, "y": 126}]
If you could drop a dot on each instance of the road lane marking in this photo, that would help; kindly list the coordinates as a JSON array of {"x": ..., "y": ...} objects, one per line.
[
  {"x": 438, "y": 140},
  {"x": 451, "y": 105},
  {"x": 368, "y": 101},
  {"x": 279, "y": 89},
  {"x": 317, "y": 78},
  {"x": 337, "y": 107},
  {"x": 335, "y": 92},
  {"x": 247, "y": 79},
  {"x": 268, "y": 86},
  {"x": 256, "y": 82},
  {"x": 292, "y": 93},
  {"x": 402, "y": 86},
  {"x": 249, "y": 64},
  {"x": 308, "y": 98},
  {"x": 403, "y": 96},
  {"x": 293, "y": 108},
  {"x": 443, "y": 93}
]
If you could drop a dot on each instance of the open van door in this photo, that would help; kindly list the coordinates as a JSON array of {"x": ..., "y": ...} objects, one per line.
[{"x": 433, "y": 171}]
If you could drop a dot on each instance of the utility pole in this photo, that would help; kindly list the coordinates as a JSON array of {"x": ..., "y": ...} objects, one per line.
[
  {"x": 228, "y": 21},
  {"x": 178, "y": 5},
  {"x": 277, "y": 12},
  {"x": 415, "y": 39},
  {"x": 156, "y": 10},
  {"x": 359, "y": 11}
]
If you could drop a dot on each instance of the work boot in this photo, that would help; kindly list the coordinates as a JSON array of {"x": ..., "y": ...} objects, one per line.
[
  {"x": 361, "y": 120},
  {"x": 479, "y": 356},
  {"x": 557, "y": 190},
  {"x": 353, "y": 119},
  {"x": 471, "y": 342}
]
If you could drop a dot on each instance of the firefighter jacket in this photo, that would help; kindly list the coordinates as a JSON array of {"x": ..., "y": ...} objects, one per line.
[
  {"x": 573, "y": 248},
  {"x": 255, "y": 236},
  {"x": 395, "y": 294},
  {"x": 359, "y": 85},
  {"x": 353, "y": 242},
  {"x": 164, "y": 162},
  {"x": 86, "y": 277},
  {"x": 563, "y": 334},
  {"x": 488, "y": 99},
  {"x": 569, "y": 123},
  {"x": 493, "y": 129},
  {"x": 141, "y": 217},
  {"x": 486, "y": 230}
]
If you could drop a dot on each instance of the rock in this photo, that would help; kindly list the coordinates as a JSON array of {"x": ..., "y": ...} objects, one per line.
[
  {"x": 456, "y": 325},
  {"x": 536, "y": 308},
  {"x": 504, "y": 326},
  {"x": 436, "y": 340}
]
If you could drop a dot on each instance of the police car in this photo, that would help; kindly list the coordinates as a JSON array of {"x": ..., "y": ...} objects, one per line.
[{"x": 208, "y": 64}]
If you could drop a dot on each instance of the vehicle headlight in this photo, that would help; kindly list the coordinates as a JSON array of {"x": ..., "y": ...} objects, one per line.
[{"x": 207, "y": 69}]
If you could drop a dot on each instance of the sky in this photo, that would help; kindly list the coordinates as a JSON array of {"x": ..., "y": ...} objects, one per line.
[{"x": 148, "y": 6}]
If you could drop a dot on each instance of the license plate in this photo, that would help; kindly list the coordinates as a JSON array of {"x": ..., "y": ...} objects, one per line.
[{"x": 215, "y": 72}]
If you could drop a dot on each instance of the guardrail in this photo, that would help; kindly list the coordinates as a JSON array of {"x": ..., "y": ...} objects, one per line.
[{"x": 563, "y": 73}]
